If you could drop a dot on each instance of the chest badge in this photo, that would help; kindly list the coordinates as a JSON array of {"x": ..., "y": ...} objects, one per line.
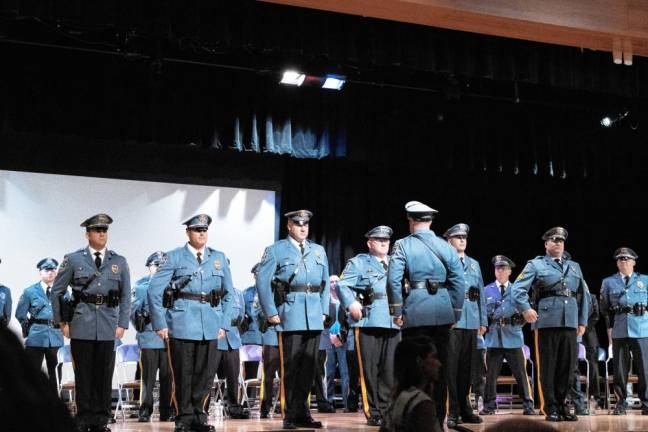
[
  {"x": 317, "y": 254},
  {"x": 114, "y": 268},
  {"x": 640, "y": 284},
  {"x": 217, "y": 264}
]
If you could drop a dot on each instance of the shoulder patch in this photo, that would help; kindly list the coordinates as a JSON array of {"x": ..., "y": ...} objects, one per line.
[{"x": 64, "y": 263}]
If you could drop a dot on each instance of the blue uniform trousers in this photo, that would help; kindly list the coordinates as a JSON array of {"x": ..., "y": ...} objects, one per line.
[
  {"x": 621, "y": 349},
  {"x": 440, "y": 336}
]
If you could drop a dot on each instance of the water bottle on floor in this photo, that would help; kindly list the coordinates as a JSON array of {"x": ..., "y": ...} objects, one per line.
[
  {"x": 480, "y": 404},
  {"x": 592, "y": 405}
]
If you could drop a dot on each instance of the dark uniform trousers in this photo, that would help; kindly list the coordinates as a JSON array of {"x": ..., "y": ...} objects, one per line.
[
  {"x": 621, "y": 349},
  {"x": 556, "y": 358},
  {"x": 230, "y": 366},
  {"x": 152, "y": 359},
  {"x": 271, "y": 365},
  {"x": 440, "y": 336},
  {"x": 478, "y": 373},
  {"x": 94, "y": 363},
  {"x": 516, "y": 362},
  {"x": 298, "y": 350},
  {"x": 354, "y": 381},
  {"x": 194, "y": 364},
  {"x": 36, "y": 354},
  {"x": 318, "y": 382},
  {"x": 461, "y": 349},
  {"x": 377, "y": 349}
]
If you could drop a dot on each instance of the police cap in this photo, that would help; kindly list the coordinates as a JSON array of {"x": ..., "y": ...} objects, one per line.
[
  {"x": 555, "y": 233},
  {"x": 157, "y": 258},
  {"x": 300, "y": 217},
  {"x": 502, "y": 261},
  {"x": 101, "y": 220},
  {"x": 381, "y": 232},
  {"x": 199, "y": 221},
  {"x": 47, "y": 264},
  {"x": 625, "y": 252},
  {"x": 419, "y": 212},
  {"x": 460, "y": 229}
]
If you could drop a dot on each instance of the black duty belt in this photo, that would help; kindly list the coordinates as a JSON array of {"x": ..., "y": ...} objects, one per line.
[
  {"x": 201, "y": 297},
  {"x": 45, "y": 322},
  {"x": 378, "y": 296},
  {"x": 424, "y": 284},
  {"x": 95, "y": 299},
  {"x": 516, "y": 319},
  {"x": 304, "y": 288},
  {"x": 556, "y": 293},
  {"x": 636, "y": 309}
]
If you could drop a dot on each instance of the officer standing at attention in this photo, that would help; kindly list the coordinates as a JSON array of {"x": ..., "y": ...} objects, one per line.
[
  {"x": 5, "y": 305},
  {"x": 363, "y": 291},
  {"x": 293, "y": 286},
  {"x": 251, "y": 335},
  {"x": 153, "y": 350},
  {"x": 504, "y": 340},
  {"x": 624, "y": 300},
  {"x": 463, "y": 336},
  {"x": 100, "y": 281},
  {"x": 426, "y": 289},
  {"x": 190, "y": 297},
  {"x": 560, "y": 297},
  {"x": 271, "y": 362},
  {"x": 34, "y": 312}
]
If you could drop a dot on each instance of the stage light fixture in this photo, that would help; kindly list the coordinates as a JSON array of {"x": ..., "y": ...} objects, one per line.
[
  {"x": 608, "y": 121},
  {"x": 333, "y": 82},
  {"x": 291, "y": 77}
]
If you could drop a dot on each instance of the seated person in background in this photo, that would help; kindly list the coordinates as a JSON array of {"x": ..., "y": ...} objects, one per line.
[{"x": 412, "y": 408}]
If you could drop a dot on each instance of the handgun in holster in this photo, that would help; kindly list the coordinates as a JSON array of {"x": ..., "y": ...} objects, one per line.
[
  {"x": 245, "y": 323},
  {"x": 473, "y": 294},
  {"x": 113, "y": 298},
  {"x": 263, "y": 322},
  {"x": 432, "y": 286},
  {"x": 279, "y": 291},
  {"x": 638, "y": 308},
  {"x": 25, "y": 325},
  {"x": 170, "y": 294},
  {"x": 141, "y": 319},
  {"x": 405, "y": 289},
  {"x": 67, "y": 307},
  {"x": 215, "y": 297}
]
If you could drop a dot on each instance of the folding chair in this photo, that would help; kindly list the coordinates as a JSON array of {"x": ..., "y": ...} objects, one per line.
[
  {"x": 127, "y": 357},
  {"x": 584, "y": 379},
  {"x": 65, "y": 378},
  {"x": 609, "y": 378},
  {"x": 249, "y": 353}
]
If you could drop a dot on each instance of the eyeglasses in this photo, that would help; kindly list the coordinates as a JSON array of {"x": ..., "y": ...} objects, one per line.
[{"x": 624, "y": 258}]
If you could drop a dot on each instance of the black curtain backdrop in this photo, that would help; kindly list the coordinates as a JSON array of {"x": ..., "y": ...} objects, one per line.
[{"x": 452, "y": 137}]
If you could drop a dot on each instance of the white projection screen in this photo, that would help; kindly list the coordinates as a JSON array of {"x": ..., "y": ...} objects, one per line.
[{"x": 40, "y": 216}]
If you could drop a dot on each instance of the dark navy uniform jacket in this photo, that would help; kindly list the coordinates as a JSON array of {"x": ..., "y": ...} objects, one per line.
[{"x": 507, "y": 335}]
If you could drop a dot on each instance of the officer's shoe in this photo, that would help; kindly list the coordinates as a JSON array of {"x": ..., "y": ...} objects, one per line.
[
  {"x": 289, "y": 425},
  {"x": 264, "y": 414},
  {"x": 144, "y": 419},
  {"x": 569, "y": 417},
  {"x": 486, "y": 411},
  {"x": 644, "y": 411},
  {"x": 528, "y": 411},
  {"x": 374, "y": 421},
  {"x": 181, "y": 427},
  {"x": 582, "y": 412},
  {"x": 202, "y": 427},
  {"x": 325, "y": 408},
  {"x": 238, "y": 412},
  {"x": 471, "y": 418},
  {"x": 554, "y": 417},
  {"x": 167, "y": 418},
  {"x": 453, "y": 421},
  {"x": 309, "y": 422},
  {"x": 619, "y": 410}
]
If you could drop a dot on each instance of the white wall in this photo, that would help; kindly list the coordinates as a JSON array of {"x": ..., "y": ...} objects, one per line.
[{"x": 40, "y": 216}]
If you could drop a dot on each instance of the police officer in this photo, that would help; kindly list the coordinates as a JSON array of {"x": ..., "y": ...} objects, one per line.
[
  {"x": 463, "y": 336},
  {"x": 153, "y": 350},
  {"x": 100, "y": 281},
  {"x": 271, "y": 364},
  {"x": 560, "y": 297},
  {"x": 34, "y": 312},
  {"x": 195, "y": 284},
  {"x": 504, "y": 340},
  {"x": 293, "y": 286},
  {"x": 5, "y": 305},
  {"x": 624, "y": 297},
  {"x": 251, "y": 335},
  {"x": 363, "y": 291},
  {"x": 230, "y": 359},
  {"x": 426, "y": 289}
]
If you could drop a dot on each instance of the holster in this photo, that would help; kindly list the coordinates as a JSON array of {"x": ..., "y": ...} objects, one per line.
[
  {"x": 67, "y": 308},
  {"x": 405, "y": 289},
  {"x": 279, "y": 291},
  {"x": 245, "y": 323},
  {"x": 263, "y": 322},
  {"x": 25, "y": 326},
  {"x": 344, "y": 335},
  {"x": 141, "y": 319},
  {"x": 473, "y": 294},
  {"x": 168, "y": 297},
  {"x": 328, "y": 322},
  {"x": 638, "y": 308},
  {"x": 113, "y": 298},
  {"x": 432, "y": 287},
  {"x": 214, "y": 298}
]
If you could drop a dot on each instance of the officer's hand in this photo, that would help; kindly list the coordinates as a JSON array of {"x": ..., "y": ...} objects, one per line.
[
  {"x": 355, "y": 309},
  {"x": 482, "y": 330},
  {"x": 164, "y": 333},
  {"x": 65, "y": 329},
  {"x": 274, "y": 319},
  {"x": 398, "y": 321},
  {"x": 324, "y": 317},
  {"x": 221, "y": 334},
  {"x": 530, "y": 315},
  {"x": 580, "y": 331},
  {"x": 119, "y": 333}
]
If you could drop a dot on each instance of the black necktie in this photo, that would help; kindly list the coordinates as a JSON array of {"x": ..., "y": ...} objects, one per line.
[
  {"x": 626, "y": 279},
  {"x": 502, "y": 289},
  {"x": 462, "y": 262},
  {"x": 97, "y": 259},
  {"x": 301, "y": 247},
  {"x": 47, "y": 292},
  {"x": 558, "y": 262},
  {"x": 199, "y": 257},
  {"x": 384, "y": 264}
]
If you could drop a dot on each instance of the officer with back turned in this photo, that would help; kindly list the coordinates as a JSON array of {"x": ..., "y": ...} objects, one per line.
[
  {"x": 561, "y": 309},
  {"x": 97, "y": 315},
  {"x": 624, "y": 305},
  {"x": 5, "y": 305},
  {"x": 190, "y": 296},
  {"x": 426, "y": 288},
  {"x": 293, "y": 286}
]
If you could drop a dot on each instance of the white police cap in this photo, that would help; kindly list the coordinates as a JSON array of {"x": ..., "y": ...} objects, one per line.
[{"x": 419, "y": 211}]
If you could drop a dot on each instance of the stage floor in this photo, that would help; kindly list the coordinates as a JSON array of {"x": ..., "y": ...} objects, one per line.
[{"x": 634, "y": 421}]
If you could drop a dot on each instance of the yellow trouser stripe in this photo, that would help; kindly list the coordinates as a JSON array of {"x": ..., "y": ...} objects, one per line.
[
  {"x": 537, "y": 355},
  {"x": 282, "y": 390},
  {"x": 174, "y": 401},
  {"x": 363, "y": 385}
]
